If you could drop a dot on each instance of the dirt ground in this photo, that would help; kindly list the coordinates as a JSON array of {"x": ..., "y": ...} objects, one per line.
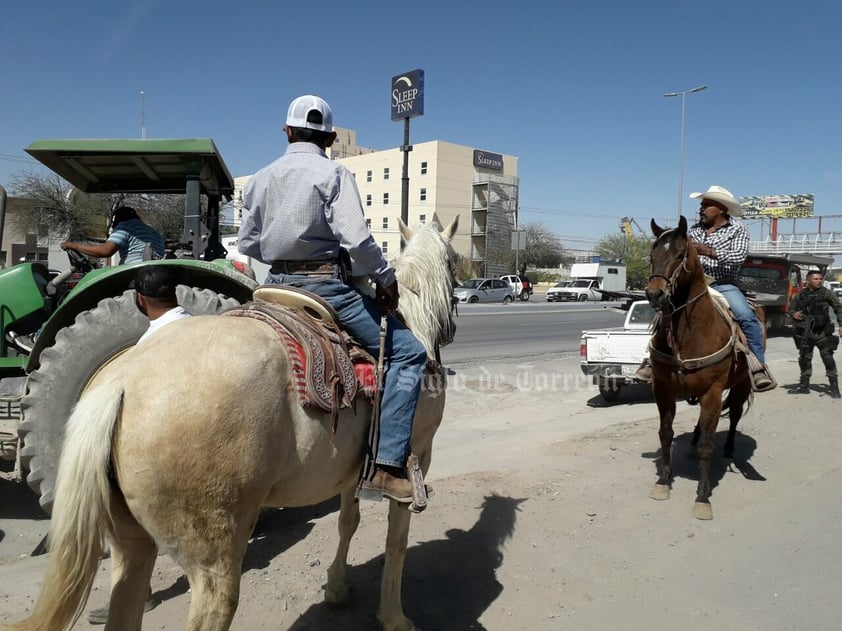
[{"x": 542, "y": 520}]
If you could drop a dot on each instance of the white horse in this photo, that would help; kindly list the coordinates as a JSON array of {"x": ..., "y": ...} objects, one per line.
[{"x": 176, "y": 445}]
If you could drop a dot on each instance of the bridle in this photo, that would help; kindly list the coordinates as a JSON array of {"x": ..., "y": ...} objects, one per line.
[
  {"x": 665, "y": 324},
  {"x": 671, "y": 280}
]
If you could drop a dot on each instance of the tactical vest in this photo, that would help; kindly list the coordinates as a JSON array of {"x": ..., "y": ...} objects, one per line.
[{"x": 814, "y": 305}]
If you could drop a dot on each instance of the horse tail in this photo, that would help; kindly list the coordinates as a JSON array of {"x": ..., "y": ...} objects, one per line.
[
  {"x": 81, "y": 512},
  {"x": 733, "y": 399}
]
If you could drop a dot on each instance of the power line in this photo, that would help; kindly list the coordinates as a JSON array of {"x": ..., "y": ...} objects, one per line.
[{"x": 11, "y": 158}]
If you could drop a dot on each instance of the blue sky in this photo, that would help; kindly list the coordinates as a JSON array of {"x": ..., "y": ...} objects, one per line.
[{"x": 573, "y": 88}]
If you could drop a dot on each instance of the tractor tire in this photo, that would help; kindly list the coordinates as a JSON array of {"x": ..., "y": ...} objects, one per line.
[{"x": 79, "y": 351}]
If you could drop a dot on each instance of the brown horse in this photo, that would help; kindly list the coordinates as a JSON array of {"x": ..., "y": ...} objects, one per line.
[
  {"x": 177, "y": 443},
  {"x": 694, "y": 352}
]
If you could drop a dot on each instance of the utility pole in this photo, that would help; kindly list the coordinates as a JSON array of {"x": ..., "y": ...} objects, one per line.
[
  {"x": 683, "y": 96},
  {"x": 142, "y": 115}
]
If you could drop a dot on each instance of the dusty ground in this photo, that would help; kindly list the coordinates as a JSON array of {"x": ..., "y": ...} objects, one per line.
[{"x": 542, "y": 520}]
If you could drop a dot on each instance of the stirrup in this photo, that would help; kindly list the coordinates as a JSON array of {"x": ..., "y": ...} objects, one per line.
[
  {"x": 755, "y": 368},
  {"x": 419, "y": 489},
  {"x": 763, "y": 387}
]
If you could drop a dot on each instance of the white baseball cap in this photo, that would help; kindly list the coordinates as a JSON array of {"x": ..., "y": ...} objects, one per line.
[{"x": 300, "y": 109}]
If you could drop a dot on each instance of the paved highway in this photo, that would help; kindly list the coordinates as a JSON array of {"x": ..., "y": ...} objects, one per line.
[{"x": 525, "y": 329}]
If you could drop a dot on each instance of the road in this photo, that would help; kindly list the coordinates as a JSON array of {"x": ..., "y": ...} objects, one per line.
[
  {"x": 525, "y": 329},
  {"x": 541, "y": 518}
]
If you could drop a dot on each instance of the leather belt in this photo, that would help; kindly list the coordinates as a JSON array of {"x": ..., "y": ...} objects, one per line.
[{"x": 323, "y": 267}]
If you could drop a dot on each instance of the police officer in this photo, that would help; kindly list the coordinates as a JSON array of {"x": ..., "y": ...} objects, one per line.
[{"x": 813, "y": 327}]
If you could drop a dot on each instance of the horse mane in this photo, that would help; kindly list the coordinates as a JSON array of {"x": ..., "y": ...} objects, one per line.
[{"x": 424, "y": 278}]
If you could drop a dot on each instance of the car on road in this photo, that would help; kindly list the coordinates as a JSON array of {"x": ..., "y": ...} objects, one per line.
[
  {"x": 521, "y": 285},
  {"x": 484, "y": 290},
  {"x": 554, "y": 292}
]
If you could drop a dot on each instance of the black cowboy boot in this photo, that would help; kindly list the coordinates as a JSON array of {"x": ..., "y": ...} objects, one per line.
[
  {"x": 834, "y": 388},
  {"x": 804, "y": 385}
]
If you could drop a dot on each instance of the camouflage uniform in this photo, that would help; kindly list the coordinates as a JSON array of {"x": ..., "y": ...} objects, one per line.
[{"x": 816, "y": 330}]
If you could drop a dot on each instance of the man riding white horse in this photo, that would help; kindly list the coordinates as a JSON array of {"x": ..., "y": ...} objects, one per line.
[{"x": 304, "y": 217}]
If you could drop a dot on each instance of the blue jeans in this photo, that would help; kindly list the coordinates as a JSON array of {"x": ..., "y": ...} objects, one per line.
[
  {"x": 405, "y": 358},
  {"x": 745, "y": 317}
]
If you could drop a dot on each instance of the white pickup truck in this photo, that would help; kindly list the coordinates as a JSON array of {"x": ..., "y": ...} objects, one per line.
[{"x": 612, "y": 356}]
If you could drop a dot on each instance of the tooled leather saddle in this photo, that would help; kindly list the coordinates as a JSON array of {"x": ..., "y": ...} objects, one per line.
[{"x": 329, "y": 368}]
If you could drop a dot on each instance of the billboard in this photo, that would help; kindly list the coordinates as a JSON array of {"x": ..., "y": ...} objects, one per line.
[
  {"x": 407, "y": 95},
  {"x": 780, "y": 206}
]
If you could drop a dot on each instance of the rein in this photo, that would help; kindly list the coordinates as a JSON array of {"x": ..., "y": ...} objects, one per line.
[
  {"x": 695, "y": 363},
  {"x": 674, "y": 358}
]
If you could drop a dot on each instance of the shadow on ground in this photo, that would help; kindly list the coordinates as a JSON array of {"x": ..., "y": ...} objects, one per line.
[
  {"x": 448, "y": 583},
  {"x": 630, "y": 394},
  {"x": 19, "y": 501},
  {"x": 685, "y": 464}
]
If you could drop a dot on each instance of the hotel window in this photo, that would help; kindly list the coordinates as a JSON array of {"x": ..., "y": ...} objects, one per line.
[
  {"x": 385, "y": 247},
  {"x": 385, "y": 199},
  {"x": 368, "y": 200},
  {"x": 368, "y": 223},
  {"x": 368, "y": 176},
  {"x": 423, "y": 195},
  {"x": 422, "y": 218},
  {"x": 386, "y": 173},
  {"x": 424, "y": 168},
  {"x": 385, "y": 223}
]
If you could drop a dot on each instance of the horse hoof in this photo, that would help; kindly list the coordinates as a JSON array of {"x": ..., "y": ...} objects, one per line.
[
  {"x": 702, "y": 510},
  {"x": 660, "y": 492},
  {"x": 338, "y": 595}
]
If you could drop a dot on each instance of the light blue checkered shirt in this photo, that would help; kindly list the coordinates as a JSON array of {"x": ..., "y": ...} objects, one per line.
[{"x": 304, "y": 207}]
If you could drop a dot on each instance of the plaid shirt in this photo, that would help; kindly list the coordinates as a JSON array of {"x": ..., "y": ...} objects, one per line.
[
  {"x": 730, "y": 242},
  {"x": 304, "y": 207}
]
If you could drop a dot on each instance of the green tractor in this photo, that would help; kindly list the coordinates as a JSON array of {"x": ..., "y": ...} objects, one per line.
[{"x": 85, "y": 317}]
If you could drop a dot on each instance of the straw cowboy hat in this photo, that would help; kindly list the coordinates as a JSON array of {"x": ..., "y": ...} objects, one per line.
[{"x": 724, "y": 197}]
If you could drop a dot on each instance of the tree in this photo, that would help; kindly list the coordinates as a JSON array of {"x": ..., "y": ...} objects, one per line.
[
  {"x": 631, "y": 249},
  {"x": 543, "y": 248},
  {"x": 165, "y": 213},
  {"x": 55, "y": 210}
]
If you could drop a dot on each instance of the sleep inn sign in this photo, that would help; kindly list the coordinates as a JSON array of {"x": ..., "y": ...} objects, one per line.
[
  {"x": 485, "y": 160},
  {"x": 408, "y": 95}
]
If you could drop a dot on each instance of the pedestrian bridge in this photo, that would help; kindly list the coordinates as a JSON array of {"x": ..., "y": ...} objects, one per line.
[{"x": 828, "y": 244}]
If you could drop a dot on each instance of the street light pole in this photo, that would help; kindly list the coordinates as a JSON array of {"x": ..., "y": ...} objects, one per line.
[{"x": 683, "y": 95}]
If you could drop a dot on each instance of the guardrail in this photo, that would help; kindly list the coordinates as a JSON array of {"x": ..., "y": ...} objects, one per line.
[{"x": 815, "y": 243}]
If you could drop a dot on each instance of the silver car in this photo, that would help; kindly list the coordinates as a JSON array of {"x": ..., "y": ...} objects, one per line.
[{"x": 484, "y": 290}]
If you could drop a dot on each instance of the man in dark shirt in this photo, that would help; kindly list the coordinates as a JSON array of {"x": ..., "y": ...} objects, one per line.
[{"x": 811, "y": 311}]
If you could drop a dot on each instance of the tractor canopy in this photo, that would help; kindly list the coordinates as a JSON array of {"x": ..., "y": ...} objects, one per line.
[
  {"x": 136, "y": 166},
  {"x": 190, "y": 166}
]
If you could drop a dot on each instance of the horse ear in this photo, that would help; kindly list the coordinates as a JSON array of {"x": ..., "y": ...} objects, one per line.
[
  {"x": 406, "y": 233},
  {"x": 656, "y": 229},
  {"x": 451, "y": 229},
  {"x": 682, "y": 226}
]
